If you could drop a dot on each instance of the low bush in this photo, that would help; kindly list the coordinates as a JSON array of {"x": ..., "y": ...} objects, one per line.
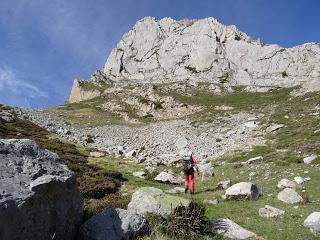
[{"x": 183, "y": 222}]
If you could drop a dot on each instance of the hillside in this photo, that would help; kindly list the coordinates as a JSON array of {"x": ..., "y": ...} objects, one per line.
[{"x": 249, "y": 111}]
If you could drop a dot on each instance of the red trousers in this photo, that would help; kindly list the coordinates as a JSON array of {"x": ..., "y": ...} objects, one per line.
[{"x": 189, "y": 180}]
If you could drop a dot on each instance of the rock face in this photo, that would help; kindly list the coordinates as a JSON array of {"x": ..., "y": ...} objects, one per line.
[
  {"x": 313, "y": 222},
  {"x": 270, "y": 212},
  {"x": 114, "y": 224},
  {"x": 288, "y": 195},
  {"x": 168, "y": 50},
  {"x": 242, "y": 190},
  {"x": 149, "y": 199},
  {"x": 79, "y": 94},
  {"x": 229, "y": 229},
  {"x": 167, "y": 178},
  {"x": 39, "y": 196}
]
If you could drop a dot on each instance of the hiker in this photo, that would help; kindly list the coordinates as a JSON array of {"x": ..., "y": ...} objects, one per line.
[{"x": 188, "y": 164}]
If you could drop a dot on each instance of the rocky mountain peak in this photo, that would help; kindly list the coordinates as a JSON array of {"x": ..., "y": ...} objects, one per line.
[{"x": 167, "y": 50}]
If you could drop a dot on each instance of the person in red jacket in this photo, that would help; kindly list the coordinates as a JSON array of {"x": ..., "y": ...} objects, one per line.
[{"x": 189, "y": 162}]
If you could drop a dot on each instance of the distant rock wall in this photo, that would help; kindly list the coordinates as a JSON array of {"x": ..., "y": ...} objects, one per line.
[
  {"x": 79, "y": 94},
  {"x": 205, "y": 50},
  {"x": 39, "y": 197}
]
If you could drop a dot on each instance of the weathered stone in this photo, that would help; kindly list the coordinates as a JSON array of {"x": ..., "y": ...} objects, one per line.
[
  {"x": 310, "y": 159},
  {"x": 97, "y": 154},
  {"x": 313, "y": 222},
  {"x": 299, "y": 180},
  {"x": 286, "y": 183},
  {"x": 288, "y": 195},
  {"x": 274, "y": 127},
  {"x": 242, "y": 190},
  {"x": 39, "y": 196},
  {"x": 228, "y": 228},
  {"x": 114, "y": 224},
  {"x": 131, "y": 153},
  {"x": 252, "y": 160},
  {"x": 211, "y": 202},
  {"x": 166, "y": 177},
  {"x": 149, "y": 199},
  {"x": 7, "y": 116},
  {"x": 139, "y": 174},
  {"x": 270, "y": 212},
  {"x": 223, "y": 185}
]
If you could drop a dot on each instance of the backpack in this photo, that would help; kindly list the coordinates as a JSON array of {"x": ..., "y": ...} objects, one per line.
[{"x": 186, "y": 163}]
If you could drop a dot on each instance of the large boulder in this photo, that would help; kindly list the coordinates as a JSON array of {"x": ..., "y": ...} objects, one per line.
[
  {"x": 228, "y": 228},
  {"x": 166, "y": 177},
  {"x": 313, "y": 222},
  {"x": 154, "y": 200},
  {"x": 288, "y": 195},
  {"x": 114, "y": 224},
  {"x": 39, "y": 197},
  {"x": 242, "y": 190}
]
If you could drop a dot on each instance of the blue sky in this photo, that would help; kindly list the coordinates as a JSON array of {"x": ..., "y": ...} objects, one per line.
[{"x": 46, "y": 44}]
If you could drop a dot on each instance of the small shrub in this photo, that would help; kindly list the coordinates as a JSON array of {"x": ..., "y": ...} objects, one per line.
[
  {"x": 284, "y": 74},
  {"x": 187, "y": 221},
  {"x": 157, "y": 105},
  {"x": 305, "y": 199}
]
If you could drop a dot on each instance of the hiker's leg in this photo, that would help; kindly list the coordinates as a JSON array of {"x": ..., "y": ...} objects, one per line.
[
  {"x": 191, "y": 180},
  {"x": 186, "y": 183}
]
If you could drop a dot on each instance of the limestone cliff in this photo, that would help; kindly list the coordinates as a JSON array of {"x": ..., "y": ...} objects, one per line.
[{"x": 205, "y": 50}]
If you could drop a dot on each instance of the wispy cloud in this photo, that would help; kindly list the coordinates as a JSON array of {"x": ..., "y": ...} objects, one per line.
[{"x": 10, "y": 83}]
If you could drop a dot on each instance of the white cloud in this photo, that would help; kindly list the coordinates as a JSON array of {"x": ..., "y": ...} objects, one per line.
[{"x": 10, "y": 83}]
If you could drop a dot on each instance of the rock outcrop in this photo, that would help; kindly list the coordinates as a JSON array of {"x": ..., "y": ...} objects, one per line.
[
  {"x": 154, "y": 200},
  {"x": 228, "y": 228},
  {"x": 39, "y": 197},
  {"x": 205, "y": 50},
  {"x": 114, "y": 224},
  {"x": 242, "y": 190}
]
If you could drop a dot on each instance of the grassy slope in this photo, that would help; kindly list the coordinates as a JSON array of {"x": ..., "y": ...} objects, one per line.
[{"x": 282, "y": 154}]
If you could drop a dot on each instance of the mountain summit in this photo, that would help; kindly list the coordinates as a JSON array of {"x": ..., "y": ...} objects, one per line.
[{"x": 205, "y": 50}]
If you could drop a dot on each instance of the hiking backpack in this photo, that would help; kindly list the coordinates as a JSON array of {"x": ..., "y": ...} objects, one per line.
[{"x": 186, "y": 163}]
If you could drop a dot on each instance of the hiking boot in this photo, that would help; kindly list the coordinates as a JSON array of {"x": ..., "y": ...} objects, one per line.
[{"x": 186, "y": 190}]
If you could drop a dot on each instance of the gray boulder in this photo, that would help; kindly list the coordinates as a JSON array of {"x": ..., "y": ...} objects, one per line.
[
  {"x": 310, "y": 159},
  {"x": 223, "y": 185},
  {"x": 114, "y": 224},
  {"x": 166, "y": 177},
  {"x": 288, "y": 195},
  {"x": 313, "y": 222},
  {"x": 228, "y": 228},
  {"x": 242, "y": 190},
  {"x": 154, "y": 200},
  {"x": 7, "y": 116},
  {"x": 286, "y": 183},
  {"x": 270, "y": 212},
  {"x": 39, "y": 196}
]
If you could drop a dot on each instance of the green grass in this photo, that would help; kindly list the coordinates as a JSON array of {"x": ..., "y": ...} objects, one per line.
[{"x": 243, "y": 212}]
